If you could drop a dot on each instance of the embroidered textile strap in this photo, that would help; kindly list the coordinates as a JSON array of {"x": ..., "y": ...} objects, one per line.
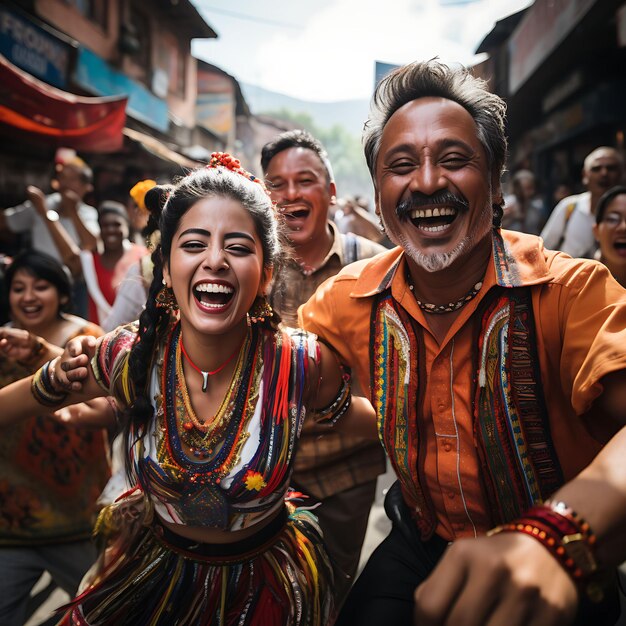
[
  {"x": 396, "y": 350},
  {"x": 510, "y": 416},
  {"x": 511, "y": 424}
]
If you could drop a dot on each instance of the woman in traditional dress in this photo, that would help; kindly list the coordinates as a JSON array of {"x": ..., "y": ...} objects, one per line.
[{"x": 215, "y": 394}]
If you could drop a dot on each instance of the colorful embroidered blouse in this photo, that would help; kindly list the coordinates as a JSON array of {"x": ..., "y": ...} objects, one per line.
[
  {"x": 243, "y": 473},
  {"x": 50, "y": 474}
]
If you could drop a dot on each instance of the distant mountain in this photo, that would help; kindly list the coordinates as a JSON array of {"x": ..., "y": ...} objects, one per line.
[{"x": 351, "y": 114}]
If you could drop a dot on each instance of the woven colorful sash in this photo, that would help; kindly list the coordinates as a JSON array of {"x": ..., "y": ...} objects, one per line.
[
  {"x": 511, "y": 421},
  {"x": 511, "y": 425}
]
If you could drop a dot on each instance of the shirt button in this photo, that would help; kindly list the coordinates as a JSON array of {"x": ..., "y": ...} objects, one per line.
[
  {"x": 447, "y": 447},
  {"x": 451, "y": 495}
]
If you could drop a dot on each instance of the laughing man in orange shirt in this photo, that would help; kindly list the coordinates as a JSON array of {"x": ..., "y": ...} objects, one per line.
[{"x": 492, "y": 364}]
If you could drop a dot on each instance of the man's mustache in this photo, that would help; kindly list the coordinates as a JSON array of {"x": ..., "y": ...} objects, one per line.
[{"x": 439, "y": 198}]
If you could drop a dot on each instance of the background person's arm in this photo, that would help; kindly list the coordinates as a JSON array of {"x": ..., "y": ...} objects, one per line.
[{"x": 68, "y": 250}]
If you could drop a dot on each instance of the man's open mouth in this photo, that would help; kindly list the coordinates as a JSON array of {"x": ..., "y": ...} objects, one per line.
[
  {"x": 298, "y": 214},
  {"x": 213, "y": 295},
  {"x": 433, "y": 220}
]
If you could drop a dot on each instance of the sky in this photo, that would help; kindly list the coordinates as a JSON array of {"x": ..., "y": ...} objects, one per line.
[{"x": 324, "y": 50}]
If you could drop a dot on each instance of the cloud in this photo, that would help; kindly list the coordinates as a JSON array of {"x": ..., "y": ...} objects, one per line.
[{"x": 331, "y": 57}]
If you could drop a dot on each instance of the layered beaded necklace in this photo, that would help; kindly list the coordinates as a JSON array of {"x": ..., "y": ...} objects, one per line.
[
  {"x": 427, "y": 307},
  {"x": 215, "y": 441},
  {"x": 201, "y": 436}
]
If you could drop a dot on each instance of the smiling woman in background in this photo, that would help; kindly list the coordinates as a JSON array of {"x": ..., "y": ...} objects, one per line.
[
  {"x": 50, "y": 474},
  {"x": 610, "y": 232}
]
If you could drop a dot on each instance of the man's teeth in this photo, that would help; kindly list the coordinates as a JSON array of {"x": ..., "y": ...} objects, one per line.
[
  {"x": 433, "y": 229},
  {"x": 213, "y": 288},
  {"x": 436, "y": 212}
]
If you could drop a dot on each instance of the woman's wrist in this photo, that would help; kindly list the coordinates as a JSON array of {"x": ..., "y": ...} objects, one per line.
[{"x": 45, "y": 386}]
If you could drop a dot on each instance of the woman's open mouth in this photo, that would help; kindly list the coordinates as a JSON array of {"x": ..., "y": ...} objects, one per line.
[
  {"x": 620, "y": 247},
  {"x": 213, "y": 296},
  {"x": 31, "y": 310}
]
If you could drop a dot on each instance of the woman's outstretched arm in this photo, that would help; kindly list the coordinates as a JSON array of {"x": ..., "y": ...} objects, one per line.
[{"x": 63, "y": 381}]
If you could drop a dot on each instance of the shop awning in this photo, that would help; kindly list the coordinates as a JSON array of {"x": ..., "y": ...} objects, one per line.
[
  {"x": 159, "y": 149},
  {"x": 33, "y": 109}
]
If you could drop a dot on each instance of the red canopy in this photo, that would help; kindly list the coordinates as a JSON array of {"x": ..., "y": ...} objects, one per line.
[{"x": 44, "y": 113}]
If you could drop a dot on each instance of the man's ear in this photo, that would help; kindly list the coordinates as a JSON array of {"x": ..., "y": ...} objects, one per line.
[
  {"x": 332, "y": 189},
  {"x": 376, "y": 202}
]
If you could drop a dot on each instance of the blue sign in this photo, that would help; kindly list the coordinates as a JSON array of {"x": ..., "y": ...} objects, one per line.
[
  {"x": 96, "y": 75},
  {"x": 381, "y": 70},
  {"x": 33, "y": 49}
]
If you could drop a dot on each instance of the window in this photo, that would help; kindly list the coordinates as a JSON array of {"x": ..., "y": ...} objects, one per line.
[
  {"x": 171, "y": 60},
  {"x": 139, "y": 27},
  {"x": 94, "y": 10}
]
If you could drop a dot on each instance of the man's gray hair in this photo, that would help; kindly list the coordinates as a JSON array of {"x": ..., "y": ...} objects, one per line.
[{"x": 434, "y": 79}]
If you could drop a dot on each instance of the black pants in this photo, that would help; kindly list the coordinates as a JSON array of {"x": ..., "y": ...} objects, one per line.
[{"x": 383, "y": 593}]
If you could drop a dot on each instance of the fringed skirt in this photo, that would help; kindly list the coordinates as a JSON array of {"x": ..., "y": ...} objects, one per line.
[{"x": 278, "y": 577}]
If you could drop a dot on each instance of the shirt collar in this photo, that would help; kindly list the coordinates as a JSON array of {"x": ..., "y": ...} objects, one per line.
[
  {"x": 518, "y": 260},
  {"x": 335, "y": 249}
]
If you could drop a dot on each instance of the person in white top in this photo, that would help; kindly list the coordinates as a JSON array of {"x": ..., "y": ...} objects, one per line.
[
  {"x": 570, "y": 227},
  {"x": 60, "y": 224}
]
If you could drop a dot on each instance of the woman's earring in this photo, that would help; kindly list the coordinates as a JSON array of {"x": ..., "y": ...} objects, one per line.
[
  {"x": 166, "y": 299},
  {"x": 261, "y": 310}
]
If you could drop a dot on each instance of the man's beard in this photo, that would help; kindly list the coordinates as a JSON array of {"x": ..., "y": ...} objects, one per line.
[{"x": 437, "y": 261}]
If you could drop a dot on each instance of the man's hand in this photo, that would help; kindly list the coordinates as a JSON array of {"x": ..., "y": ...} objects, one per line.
[
  {"x": 73, "y": 367},
  {"x": 38, "y": 199},
  {"x": 509, "y": 579}
]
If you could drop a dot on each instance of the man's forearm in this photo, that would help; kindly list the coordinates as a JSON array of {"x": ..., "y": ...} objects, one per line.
[{"x": 86, "y": 239}]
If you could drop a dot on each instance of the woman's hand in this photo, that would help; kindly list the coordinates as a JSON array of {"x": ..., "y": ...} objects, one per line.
[
  {"x": 73, "y": 366},
  {"x": 19, "y": 345},
  {"x": 509, "y": 579}
]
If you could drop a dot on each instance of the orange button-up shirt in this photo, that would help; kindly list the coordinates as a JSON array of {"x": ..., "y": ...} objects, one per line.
[{"x": 580, "y": 321}]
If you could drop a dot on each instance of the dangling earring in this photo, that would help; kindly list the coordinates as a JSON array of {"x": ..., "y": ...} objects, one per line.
[
  {"x": 166, "y": 299},
  {"x": 261, "y": 310}
]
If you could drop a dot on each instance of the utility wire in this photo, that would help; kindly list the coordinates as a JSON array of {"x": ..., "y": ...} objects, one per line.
[{"x": 244, "y": 16}]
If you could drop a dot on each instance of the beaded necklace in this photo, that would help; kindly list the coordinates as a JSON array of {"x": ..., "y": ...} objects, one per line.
[
  {"x": 226, "y": 445},
  {"x": 427, "y": 307},
  {"x": 200, "y": 436}
]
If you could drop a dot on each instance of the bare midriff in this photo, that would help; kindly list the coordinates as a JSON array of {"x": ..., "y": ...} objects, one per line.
[{"x": 215, "y": 535}]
